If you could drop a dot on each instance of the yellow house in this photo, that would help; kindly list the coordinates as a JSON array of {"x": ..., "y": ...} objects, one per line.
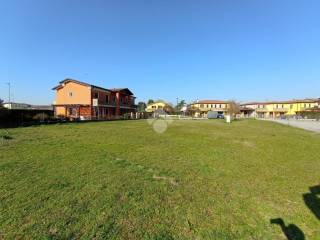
[
  {"x": 278, "y": 109},
  {"x": 159, "y": 105},
  {"x": 202, "y": 107}
]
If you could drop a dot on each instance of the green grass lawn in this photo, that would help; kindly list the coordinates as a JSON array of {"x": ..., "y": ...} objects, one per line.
[{"x": 122, "y": 180}]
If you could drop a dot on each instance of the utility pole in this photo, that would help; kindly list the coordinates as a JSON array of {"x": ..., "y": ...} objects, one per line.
[{"x": 9, "y": 87}]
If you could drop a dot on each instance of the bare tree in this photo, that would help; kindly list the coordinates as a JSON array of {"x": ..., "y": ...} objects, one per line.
[
  {"x": 1, "y": 103},
  {"x": 233, "y": 108}
]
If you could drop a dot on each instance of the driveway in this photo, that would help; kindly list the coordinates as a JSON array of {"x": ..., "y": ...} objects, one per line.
[{"x": 310, "y": 125}]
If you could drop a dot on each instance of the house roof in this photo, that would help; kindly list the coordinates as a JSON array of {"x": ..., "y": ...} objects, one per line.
[
  {"x": 313, "y": 109},
  {"x": 210, "y": 102},
  {"x": 246, "y": 109},
  {"x": 308, "y": 100},
  {"x": 126, "y": 90},
  {"x": 70, "y": 80},
  {"x": 158, "y": 102}
]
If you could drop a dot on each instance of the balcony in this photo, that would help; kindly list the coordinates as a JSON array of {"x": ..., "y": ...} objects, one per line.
[
  {"x": 262, "y": 110},
  {"x": 128, "y": 106},
  {"x": 96, "y": 103},
  {"x": 217, "y": 109},
  {"x": 280, "y": 109}
]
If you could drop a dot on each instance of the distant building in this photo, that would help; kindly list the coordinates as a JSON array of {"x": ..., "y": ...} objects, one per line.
[
  {"x": 13, "y": 105},
  {"x": 202, "y": 107},
  {"x": 278, "y": 109},
  {"x": 25, "y": 106},
  {"x": 80, "y": 100}
]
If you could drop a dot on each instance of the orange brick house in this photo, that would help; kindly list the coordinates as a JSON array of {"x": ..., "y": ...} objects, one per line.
[{"x": 80, "y": 100}]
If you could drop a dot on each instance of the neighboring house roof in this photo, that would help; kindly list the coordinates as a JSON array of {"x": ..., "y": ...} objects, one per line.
[{"x": 126, "y": 90}]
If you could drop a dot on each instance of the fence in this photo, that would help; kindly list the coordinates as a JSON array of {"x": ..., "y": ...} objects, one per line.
[{"x": 23, "y": 117}]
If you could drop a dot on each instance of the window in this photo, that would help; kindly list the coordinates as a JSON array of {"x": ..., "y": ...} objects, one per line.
[
  {"x": 201, "y": 106},
  {"x": 96, "y": 95},
  {"x": 291, "y": 106},
  {"x": 70, "y": 94},
  {"x": 107, "y": 98}
]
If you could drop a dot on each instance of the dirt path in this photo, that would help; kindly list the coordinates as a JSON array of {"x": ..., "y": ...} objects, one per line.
[{"x": 305, "y": 124}]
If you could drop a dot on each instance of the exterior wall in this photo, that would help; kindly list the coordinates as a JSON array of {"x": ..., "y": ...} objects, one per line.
[
  {"x": 60, "y": 111},
  {"x": 82, "y": 111},
  {"x": 279, "y": 109},
  {"x": 85, "y": 111},
  {"x": 73, "y": 93}
]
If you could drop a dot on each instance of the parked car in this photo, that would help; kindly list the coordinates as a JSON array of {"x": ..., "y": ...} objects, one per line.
[
  {"x": 215, "y": 115},
  {"x": 220, "y": 116}
]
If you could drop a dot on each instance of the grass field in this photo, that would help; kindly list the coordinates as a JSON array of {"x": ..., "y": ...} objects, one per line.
[{"x": 122, "y": 180}]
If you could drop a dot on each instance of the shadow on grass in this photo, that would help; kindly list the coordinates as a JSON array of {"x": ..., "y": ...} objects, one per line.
[
  {"x": 312, "y": 200},
  {"x": 6, "y": 137},
  {"x": 292, "y": 232}
]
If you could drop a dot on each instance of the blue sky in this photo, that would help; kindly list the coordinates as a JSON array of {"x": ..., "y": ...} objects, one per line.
[{"x": 240, "y": 49}]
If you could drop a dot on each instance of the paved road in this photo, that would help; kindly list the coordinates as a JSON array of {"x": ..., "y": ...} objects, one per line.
[{"x": 305, "y": 124}]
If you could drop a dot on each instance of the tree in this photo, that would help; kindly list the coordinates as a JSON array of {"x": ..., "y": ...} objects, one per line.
[
  {"x": 141, "y": 106},
  {"x": 1, "y": 103},
  {"x": 233, "y": 108},
  {"x": 150, "y": 101},
  {"x": 180, "y": 105}
]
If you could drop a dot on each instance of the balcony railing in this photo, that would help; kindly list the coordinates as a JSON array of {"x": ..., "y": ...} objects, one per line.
[
  {"x": 261, "y": 110},
  {"x": 280, "y": 109}
]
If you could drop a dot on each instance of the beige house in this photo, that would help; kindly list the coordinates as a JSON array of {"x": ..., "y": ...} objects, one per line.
[{"x": 202, "y": 107}]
